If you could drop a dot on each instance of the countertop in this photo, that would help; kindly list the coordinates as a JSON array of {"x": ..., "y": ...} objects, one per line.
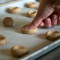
[{"x": 52, "y": 55}]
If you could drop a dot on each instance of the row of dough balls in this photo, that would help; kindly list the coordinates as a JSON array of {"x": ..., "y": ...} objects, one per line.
[
  {"x": 19, "y": 51},
  {"x": 17, "y": 9},
  {"x": 16, "y": 51},
  {"x": 8, "y": 22},
  {"x": 31, "y": 13}
]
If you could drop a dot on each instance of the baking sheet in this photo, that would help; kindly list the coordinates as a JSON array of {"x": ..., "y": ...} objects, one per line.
[{"x": 36, "y": 43}]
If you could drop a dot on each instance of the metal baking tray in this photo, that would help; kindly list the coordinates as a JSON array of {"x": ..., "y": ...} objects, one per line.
[{"x": 36, "y": 43}]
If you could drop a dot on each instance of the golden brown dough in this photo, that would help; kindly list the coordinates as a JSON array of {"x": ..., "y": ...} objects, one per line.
[
  {"x": 3, "y": 40},
  {"x": 14, "y": 9},
  {"x": 28, "y": 31},
  {"x": 19, "y": 51},
  {"x": 8, "y": 21},
  {"x": 31, "y": 5},
  {"x": 31, "y": 13},
  {"x": 53, "y": 35}
]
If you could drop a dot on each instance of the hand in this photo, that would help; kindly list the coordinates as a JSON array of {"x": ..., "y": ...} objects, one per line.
[{"x": 48, "y": 14}]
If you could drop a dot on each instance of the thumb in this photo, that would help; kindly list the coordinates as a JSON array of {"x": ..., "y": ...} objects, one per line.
[{"x": 45, "y": 10}]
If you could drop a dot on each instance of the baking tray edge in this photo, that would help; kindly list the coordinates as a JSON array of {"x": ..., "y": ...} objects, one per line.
[{"x": 42, "y": 51}]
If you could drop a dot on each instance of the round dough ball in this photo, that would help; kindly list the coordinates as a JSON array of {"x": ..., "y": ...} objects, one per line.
[
  {"x": 54, "y": 35},
  {"x": 3, "y": 40},
  {"x": 31, "y": 5},
  {"x": 31, "y": 13},
  {"x": 14, "y": 9},
  {"x": 19, "y": 51},
  {"x": 8, "y": 21},
  {"x": 28, "y": 31}
]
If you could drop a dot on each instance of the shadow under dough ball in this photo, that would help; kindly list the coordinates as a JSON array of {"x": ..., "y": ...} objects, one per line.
[{"x": 8, "y": 21}]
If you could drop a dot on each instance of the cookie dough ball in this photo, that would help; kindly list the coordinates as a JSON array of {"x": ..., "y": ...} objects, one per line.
[
  {"x": 8, "y": 21},
  {"x": 19, "y": 51},
  {"x": 14, "y": 9},
  {"x": 31, "y": 5},
  {"x": 3, "y": 40},
  {"x": 52, "y": 35},
  {"x": 31, "y": 13},
  {"x": 28, "y": 31}
]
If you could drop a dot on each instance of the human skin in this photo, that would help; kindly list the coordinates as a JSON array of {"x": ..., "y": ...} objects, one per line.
[{"x": 48, "y": 14}]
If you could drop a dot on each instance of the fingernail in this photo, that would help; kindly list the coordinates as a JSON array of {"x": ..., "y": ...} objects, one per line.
[
  {"x": 54, "y": 17},
  {"x": 48, "y": 21}
]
